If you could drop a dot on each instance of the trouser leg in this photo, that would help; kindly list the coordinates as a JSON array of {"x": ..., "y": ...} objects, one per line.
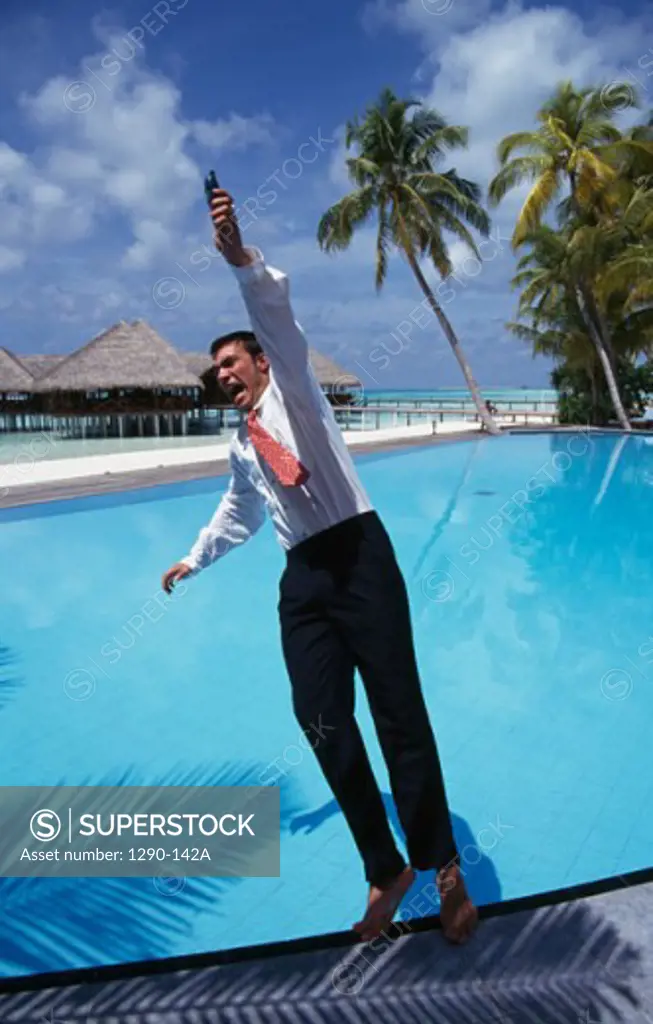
[
  {"x": 321, "y": 672},
  {"x": 373, "y": 616}
]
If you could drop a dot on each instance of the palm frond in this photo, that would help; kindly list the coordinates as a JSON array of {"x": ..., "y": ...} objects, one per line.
[
  {"x": 336, "y": 227},
  {"x": 439, "y": 255},
  {"x": 519, "y": 170},
  {"x": 537, "y": 201},
  {"x": 445, "y": 138},
  {"x": 519, "y": 140},
  {"x": 362, "y": 171}
]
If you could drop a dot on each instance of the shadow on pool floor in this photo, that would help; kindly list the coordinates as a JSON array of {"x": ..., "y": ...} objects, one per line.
[{"x": 480, "y": 874}]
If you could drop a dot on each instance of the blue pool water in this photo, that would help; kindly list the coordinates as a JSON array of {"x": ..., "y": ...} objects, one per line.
[{"x": 528, "y": 562}]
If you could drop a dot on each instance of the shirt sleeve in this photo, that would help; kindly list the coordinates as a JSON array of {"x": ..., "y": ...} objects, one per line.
[
  {"x": 266, "y": 293},
  {"x": 239, "y": 515}
]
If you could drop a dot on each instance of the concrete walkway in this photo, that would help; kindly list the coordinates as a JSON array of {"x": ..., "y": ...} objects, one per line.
[
  {"x": 574, "y": 961},
  {"x": 30, "y": 469}
]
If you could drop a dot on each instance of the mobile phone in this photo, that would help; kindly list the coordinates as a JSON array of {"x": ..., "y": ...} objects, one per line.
[{"x": 210, "y": 183}]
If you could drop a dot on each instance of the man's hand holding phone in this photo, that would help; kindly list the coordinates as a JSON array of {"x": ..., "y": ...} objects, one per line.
[{"x": 226, "y": 230}]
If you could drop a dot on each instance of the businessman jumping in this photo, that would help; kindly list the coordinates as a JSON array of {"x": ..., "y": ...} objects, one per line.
[{"x": 343, "y": 601}]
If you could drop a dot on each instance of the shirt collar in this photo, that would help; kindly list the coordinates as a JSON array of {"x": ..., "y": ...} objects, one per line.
[{"x": 261, "y": 397}]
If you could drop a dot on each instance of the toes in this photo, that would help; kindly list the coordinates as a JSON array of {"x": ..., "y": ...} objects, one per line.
[{"x": 369, "y": 930}]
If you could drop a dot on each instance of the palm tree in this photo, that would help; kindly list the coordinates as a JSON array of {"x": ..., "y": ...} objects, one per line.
[
  {"x": 625, "y": 253},
  {"x": 551, "y": 301},
  {"x": 414, "y": 204},
  {"x": 577, "y": 148},
  {"x": 573, "y": 150}
]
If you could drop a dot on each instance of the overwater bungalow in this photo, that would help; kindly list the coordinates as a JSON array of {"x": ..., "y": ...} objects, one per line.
[{"x": 128, "y": 381}]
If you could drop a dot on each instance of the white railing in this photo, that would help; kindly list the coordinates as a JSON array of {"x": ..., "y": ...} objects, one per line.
[{"x": 367, "y": 417}]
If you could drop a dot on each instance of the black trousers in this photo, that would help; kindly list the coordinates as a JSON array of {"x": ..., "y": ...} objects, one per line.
[{"x": 343, "y": 605}]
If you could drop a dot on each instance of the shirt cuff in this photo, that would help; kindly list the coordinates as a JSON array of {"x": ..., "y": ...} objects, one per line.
[
  {"x": 251, "y": 271},
  {"x": 191, "y": 563}
]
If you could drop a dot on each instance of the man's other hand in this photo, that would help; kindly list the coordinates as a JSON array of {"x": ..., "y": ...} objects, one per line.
[
  {"x": 173, "y": 575},
  {"x": 226, "y": 230}
]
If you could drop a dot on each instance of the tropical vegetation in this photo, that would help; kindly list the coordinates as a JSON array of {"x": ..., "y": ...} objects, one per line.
[
  {"x": 585, "y": 281},
  {"x": 583, "y": 234}
]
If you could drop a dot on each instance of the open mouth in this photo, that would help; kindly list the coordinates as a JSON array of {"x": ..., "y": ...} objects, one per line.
[{"x": 236, "y": 390}]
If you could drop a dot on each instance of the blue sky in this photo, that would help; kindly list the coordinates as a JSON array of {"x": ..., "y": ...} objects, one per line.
[{"x": 110, "y": 117}]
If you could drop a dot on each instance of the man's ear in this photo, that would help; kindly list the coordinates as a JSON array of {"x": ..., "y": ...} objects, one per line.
[{"x": 262, "y": 362}]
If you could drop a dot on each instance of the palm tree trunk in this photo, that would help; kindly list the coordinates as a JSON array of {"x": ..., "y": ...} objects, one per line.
[
  {"x": 602, "y": 350},
  {"x": 595, "y": 394},
  {"x": 450, "y": 335},
  {"x": 598, "y": 332}
]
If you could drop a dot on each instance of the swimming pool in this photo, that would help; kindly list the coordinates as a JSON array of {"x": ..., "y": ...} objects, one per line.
[{"x": 528, "y": 563}]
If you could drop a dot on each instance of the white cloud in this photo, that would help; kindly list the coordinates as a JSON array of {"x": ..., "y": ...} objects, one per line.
[
  {"x": 152, "y": 238},
  {"x": 235, "y": 132},
  {"x": 491, "y": 72},
  {"x": 118, "y": 144},
  {"x": 432, "y": 19},
  {"x": 10, "y": 259},
  {"x": 301, "y": 255},
  {"x": 32, "y": 208}
]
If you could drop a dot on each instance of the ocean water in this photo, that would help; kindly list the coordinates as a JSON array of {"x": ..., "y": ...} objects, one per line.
[
  {"x": 460, "y": 396},
  {"x": 526, "y": 559}
]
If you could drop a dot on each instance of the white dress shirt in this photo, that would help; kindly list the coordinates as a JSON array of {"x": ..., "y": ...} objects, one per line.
[{"x": 294, "y": 410}]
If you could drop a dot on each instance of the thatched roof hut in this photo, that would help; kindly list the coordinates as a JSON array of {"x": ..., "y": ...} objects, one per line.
[
  {"x": 328, "y": 373},
  {"x": 39, "y": 365},
  {"x": 124, "y": 356},
  {"x": 130, "y": 368},
  {"x": 14, "y": 375}
]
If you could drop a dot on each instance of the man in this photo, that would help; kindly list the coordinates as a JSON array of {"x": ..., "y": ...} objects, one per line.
[{"x": 343, "y": 601}]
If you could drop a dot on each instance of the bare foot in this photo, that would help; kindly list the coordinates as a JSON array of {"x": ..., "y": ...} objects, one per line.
[
  {"x": 458, "y": 914},
  {"x": 382, "y": 905}
]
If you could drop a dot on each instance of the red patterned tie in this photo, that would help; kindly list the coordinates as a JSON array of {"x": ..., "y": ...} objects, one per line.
[{"x": 288, "y": 470}]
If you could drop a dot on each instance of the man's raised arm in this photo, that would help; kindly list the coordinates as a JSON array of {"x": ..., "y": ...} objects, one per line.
[{"x": 266, "y": 294}]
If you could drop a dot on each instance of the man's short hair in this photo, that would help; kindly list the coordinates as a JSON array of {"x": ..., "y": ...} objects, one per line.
[{"x": 248, "y": 339}]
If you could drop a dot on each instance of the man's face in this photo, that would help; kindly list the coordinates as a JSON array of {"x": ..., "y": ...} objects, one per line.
[{"x": 242, "y": 376}]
